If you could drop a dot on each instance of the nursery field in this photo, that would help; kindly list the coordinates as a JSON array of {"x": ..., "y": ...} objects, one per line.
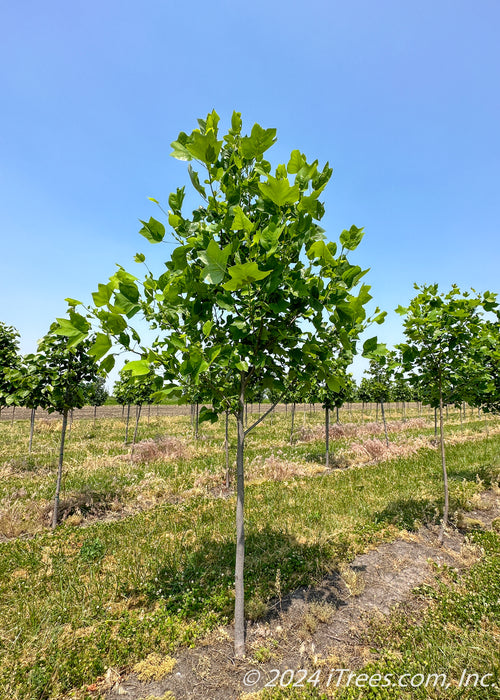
[{"x": 142, "y": 561}]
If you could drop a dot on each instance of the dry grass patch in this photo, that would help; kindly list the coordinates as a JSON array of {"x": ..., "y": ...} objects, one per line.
[
  {"x": 155, "y": 450},
  {"x": 279, "y": 468},
  {"x": 154, "y": 667}
]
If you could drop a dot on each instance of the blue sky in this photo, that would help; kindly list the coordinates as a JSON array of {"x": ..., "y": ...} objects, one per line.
[{"x": 402, "y": 99}]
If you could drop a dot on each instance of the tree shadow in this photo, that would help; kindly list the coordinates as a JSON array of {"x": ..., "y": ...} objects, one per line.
[
  {"x": 409, "y": 513},
  {"x": 201, "y": 579}
]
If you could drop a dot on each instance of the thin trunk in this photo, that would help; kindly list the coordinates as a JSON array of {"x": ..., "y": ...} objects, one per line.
[
  {"x": 461, "y": 419},
  {"x": 376, "y": 413},
  {"x": 435, "y": 422},
  {"x": 226, "y": 447},
  {"x": 149, "y": 412},
  {"x": 197, "y": 421},
  {"x": 32, "y": 428},
  {"x": 126, "y": 427},
  {"x": 486, "y": 424},
  {"x": 239, "y": 584},
  {"x": 137, "y": 416},
  {"x": 385, "y": 424},
  {"x": 70, "y": 423},
  {"x": 443, "y": 464},
  {"x": 95, "y": 415},
  {"x": 55, "y": 514},
  {"x": 123, "y": 409},
  {"x": 327, "y": 437},
  {"x": 404, "y": 411},
  {"x": 293, "y": 421}
]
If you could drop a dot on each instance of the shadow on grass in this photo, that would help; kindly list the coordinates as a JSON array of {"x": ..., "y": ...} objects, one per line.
[
  {"x": 408, "y": 513},
  {"x": 202, "y": 579}
]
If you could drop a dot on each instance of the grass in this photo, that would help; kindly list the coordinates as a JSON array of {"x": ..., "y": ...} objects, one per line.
[
  {"x": 449, "y": 650},
  {"x": 83, "y": 599}
]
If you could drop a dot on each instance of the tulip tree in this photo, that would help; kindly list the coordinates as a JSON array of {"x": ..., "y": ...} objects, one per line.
[
  {"x": 9, "y": 361},
  {"x": 252, "y": 293},
  {"x": 443, "y": 353}
]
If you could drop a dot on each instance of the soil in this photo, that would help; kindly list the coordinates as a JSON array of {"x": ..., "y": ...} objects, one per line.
[{"x": 314, "y": 626}]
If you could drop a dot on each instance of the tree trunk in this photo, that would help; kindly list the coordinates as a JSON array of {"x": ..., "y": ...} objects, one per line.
[
  {"x": 95, "y": 415},
  {"x": 70, "y": 423},
  {"x": 123, "y": 409},
  {"x": 55, "y": 514},
  {"x": 293, "y": 421},
  {"x": 126, "y": 427},
  {"x": 385, "y": 424},
  {"x": 197, "y": 421},
  {"x": 435, "y": 423},
  {"x": 327, "y": 437},
  {"x": 239, "y": 584},
  {"x": 226, "y": 447},
  {"x": 137, "y": 416},
  {"x": 443, "y": 464},
  {"x": 32, "y": 428},
  {"x": 376, "y": 413},
  {"x": 149, "y": 412}
]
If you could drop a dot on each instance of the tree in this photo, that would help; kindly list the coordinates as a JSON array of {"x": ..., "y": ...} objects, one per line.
[
  {"x": 9, "y": 360},
  {"x": 129, "y": 390},
  {"x": 380, "y": 373},
  {"x": 96, "y": 394},
  {"x": 231, "y": 305},
  {"x": 442, "y": 353},
  {"x": 62, "y": 376}
]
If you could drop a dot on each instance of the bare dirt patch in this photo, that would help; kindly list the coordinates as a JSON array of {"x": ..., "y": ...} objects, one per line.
[{"x": 314, "y": 627}]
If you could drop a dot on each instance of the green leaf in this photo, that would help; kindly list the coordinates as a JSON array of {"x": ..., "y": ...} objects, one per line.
[
  {"x": 207, "y": 327},
  {"x": 180, "y": 151},
  {"x": 243, "y": 275},
  {"x": 401, "y": 310},
  {"x": 139, "y": 257},
  {"x": 129, "y": 291},
  {"x": 215, "y": 261},
  {"x": 73, "y": 302},
  {"x": 204, "y": 147},
  {"x": 108, "y": 363},
  {"x": 207, "y": 414},
  {"x": 196, "y": 184},
  {"x": 66, "y": 328},
  {"x": 114, "y": 323},
  {"x": 370, "y": 345},
  {"x": 279, "y": 191},
  {"x": 258, "y": 142},
  {"x": 333, "y": 384},
  {"x": 153, "y": 230},
  {"x": 352, "y": 238},
  {"x": 241, "y": 222},
  {"x": 319, "y": 250},
  {"x": 101, "y": 346},
  {"x": 269, "y": 237},
  {"x": 242, "y": 366},
  {"x": 137, "y": 368},
  {"x": 296, "y": 162}
]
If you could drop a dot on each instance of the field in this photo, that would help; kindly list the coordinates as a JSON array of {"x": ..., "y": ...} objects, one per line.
[{"x": 142, "y": 561}]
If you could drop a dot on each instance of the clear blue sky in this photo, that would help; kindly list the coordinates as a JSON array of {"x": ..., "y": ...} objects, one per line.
[{"x": 402, "y": 98}]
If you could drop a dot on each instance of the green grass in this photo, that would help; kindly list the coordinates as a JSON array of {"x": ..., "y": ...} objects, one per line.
[{"x": 79, "y": 600}]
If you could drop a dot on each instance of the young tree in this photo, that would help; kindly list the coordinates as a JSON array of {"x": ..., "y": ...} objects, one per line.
[
  {"x": 96, "y": 394},
  {"x": 62, "y": 375},
  {"x": 9, "y": 361},
  {"x": 441, "y": 351},
  {"x": 252, "y": 266},
  {"x": 380, "y": 375}
]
